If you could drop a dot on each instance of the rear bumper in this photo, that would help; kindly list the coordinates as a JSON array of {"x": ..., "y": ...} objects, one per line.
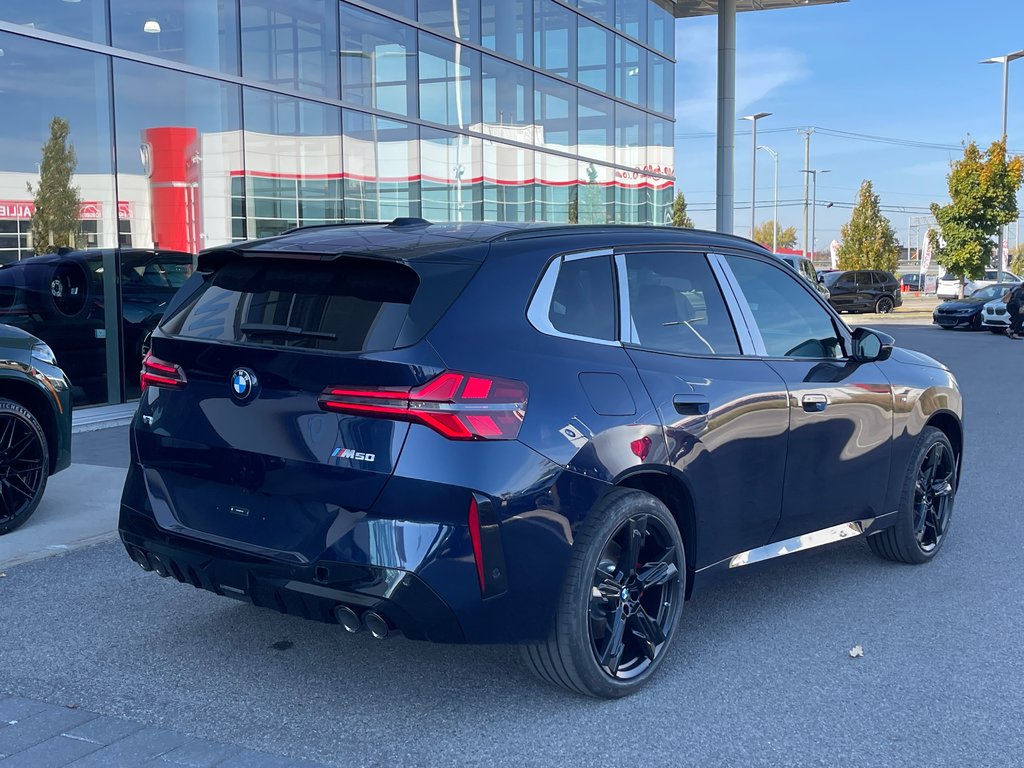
[{"x": 309, "y": 590}]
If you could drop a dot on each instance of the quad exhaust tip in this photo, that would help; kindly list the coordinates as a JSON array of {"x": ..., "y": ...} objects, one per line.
[
  {"x": 377, "y": 625},
  {"x": 348, "y": 619}
]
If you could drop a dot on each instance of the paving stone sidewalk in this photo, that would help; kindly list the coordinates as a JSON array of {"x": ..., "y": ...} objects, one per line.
[{"x": 34, "y": 734}]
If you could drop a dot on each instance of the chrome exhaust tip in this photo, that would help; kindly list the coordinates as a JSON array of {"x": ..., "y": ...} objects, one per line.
[
  {"x": 348, "y": 619},
  {"x": 377, "y": 624}
]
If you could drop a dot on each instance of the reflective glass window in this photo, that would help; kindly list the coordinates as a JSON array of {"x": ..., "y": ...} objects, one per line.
[
  {"x": 583, "y": 299},
  {"x": 595, "y": 194},
  {"x": 202, "y": 33},
  {"x": 660, "y": 84},
  {"x": 630, "y": 71},
  {"x": 596, "y": 54},
  {"x": 602, "y": 10},
  {"x": 291, "y": 43},
  {"x": 455, "y": 18},
  {"x": 507, "y": 28},
  {"x": 596, "y": 127},
  {"x": 791, "y": 321},
  {"x": 378, "y": 62},
  {"x": 86, "y": 19},
  {"x": 452, "y": 170},
  {"x": 630, "y": 136},
  {"x": 556, "y": 199},
  {"x": 631, "y": 18},
  {"x": 660, "y": 145},
  {"x": 507, "y": 99},
  {"x": 382, "y": 168},
  {"x": 554, "y": 38},
  {"x": 292, "y": 163},
  {"x": 555, "y": 113},
  {"x": 405, "y": 8},
  {"x": 661, "y": 29},
  {"x": 677, "y": 306},
  {"x": 508, "y": 182},
  {"x": 449, "y": 82},
  {"x": 69, "y": 303}
]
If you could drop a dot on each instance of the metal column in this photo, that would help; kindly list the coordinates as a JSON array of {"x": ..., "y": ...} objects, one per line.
[{"x": 726, "y": 115}]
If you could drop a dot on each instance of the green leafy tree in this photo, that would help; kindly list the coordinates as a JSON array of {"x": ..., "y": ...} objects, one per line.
[
  {"x": 57, "y": 200},
  {"x": 1017, "y": 260},
  {"x": 763, "y": 235},
  {"x": 679, "y": 216},
  {"x": 868, "y": 239},
  {"x": 983, "y": 197}
]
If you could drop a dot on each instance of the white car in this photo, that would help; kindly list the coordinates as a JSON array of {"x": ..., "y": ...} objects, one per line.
[
  {"x": 949, "y": 285},
  {"x": 995, "y": 317}
]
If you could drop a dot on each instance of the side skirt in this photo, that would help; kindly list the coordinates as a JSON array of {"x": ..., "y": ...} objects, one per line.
[{"x": 802, "y": 543}]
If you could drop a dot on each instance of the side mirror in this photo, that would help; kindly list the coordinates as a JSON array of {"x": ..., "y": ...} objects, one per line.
[
  {"x": 821, "y": 279},
  {"x": 871, "y": 346}
]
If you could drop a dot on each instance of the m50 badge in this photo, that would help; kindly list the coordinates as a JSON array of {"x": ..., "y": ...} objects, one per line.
[{"x": 348, "y": 453}]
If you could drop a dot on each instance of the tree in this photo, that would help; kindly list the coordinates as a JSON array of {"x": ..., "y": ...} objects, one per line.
[
  {"x": 983, "y": 197},
  {"x": 1017, "y": 260},
  {"x": 763, "y": 235},
  {"x": 56, "y": 199},
  {"x": 868, "y": 239},
  {"x": 679, "y": 215}
]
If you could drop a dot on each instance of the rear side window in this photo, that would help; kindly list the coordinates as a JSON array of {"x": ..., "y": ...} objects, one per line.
[
  {"x": 583, "y": 301},
  {"x": 347, "y": 305},
  {"x": 676, "y": 305}
]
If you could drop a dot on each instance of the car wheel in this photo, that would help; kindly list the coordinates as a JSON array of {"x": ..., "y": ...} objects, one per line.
[
  {"x": 884, "y": 305},
  {"x": 622, "y": 600},
  {"x": 926, "y": 506},
  {"x": 24, "y": 464},
  {"x": 976, "y": 323}
]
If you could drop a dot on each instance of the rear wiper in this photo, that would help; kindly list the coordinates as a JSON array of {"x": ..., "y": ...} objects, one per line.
[{"x": 269, "y": 329}]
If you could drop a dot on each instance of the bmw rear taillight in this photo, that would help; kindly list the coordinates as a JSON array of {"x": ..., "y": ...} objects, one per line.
[
  {"x": 160, "y": 373},
  {"x": 461, "y": 406}
]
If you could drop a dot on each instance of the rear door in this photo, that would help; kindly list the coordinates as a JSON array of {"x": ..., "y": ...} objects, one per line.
[
  {"x": 841, "y": 411},
  {"x": 243, "y": 448},
  {"x": 725, "y": 415}
]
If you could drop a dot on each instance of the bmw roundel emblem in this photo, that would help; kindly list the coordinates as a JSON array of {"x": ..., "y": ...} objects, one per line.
[{"x": 244, "y": 385}]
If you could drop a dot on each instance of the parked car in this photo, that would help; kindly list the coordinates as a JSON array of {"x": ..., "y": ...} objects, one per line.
[
  {"x": 949, "y": 284},
  {"x": 60, "y": 298},
  {"x": 499, "y": 433},
  {"x": 35, "y": 424},
  {"x": 913, "y": 282},
  {"x": 969, "y": 312},
  {"x": 805, "y": 268},
  {"x": 863, "y": 290},
  {"x": 995, "y": 317}
]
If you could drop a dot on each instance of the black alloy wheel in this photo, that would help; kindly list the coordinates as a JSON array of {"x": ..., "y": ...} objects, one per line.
[
  {"x": 24, "y": 464},
  {"x": 926, "y": 506},
  {"x": 976, "y": 322},
  {"x": 884, "y": 305},
  {"x": 634, "y": 598},
  {"x": 622, "y": 600}
]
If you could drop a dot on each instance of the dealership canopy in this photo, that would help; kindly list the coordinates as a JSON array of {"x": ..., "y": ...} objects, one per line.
[{"x": 684, "y": 8}]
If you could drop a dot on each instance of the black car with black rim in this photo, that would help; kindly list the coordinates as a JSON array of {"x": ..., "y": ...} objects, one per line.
[
  {"x": 545, "y": 435},
  {"x": 35, "y": 424},
  {"x": 968, "y": 312},
  {"x": 863, "y": 290}
]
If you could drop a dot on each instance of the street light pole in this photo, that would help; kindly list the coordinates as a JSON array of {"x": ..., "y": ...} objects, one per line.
[
  {"x": 753, "y": 170},
  {"x": 775, "y": 205},
  {"x": 1005, "y": 61}
]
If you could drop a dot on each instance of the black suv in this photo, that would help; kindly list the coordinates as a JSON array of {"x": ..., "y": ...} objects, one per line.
[
  {"x": 863, "y": 290},
  {"x": 550, "y": 436},
  {"x": 35, "y": 424}
]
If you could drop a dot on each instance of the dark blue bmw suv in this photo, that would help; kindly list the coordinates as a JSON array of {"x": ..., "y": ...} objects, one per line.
[{"x": 544, "y": 435}]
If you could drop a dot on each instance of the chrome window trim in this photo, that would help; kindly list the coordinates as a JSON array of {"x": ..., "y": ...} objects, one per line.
[
  {"x": 627, "y": 331},
  {"x": 751, "y": 342},
  {"x": 539, "y": 308}
]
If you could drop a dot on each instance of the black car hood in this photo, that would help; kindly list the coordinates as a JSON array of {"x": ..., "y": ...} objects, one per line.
[
  {"x": 910, "y": 357},
  {"x": 968, "y": 303}
]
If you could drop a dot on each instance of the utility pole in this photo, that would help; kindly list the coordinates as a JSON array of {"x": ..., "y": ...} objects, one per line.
[{"x": 807, "y": 185}]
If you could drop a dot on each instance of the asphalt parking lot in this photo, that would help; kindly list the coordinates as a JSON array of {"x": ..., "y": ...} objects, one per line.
[{"x": 761, "y": 674}]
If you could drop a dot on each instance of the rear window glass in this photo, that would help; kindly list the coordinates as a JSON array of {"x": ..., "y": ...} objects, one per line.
[
  {"x": 347, "y": 305},
  {"x": 583, "y": 303}
]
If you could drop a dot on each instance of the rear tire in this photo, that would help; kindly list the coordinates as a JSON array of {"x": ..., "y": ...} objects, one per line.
[
  {"x": 884, "y": 305},
  {"x": 926, "y": 504},
  {"x": 24, "y": 464},
  {"x": 621, "y": 603}
]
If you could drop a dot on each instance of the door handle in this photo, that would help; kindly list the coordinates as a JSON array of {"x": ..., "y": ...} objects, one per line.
[
  {"x": 690, "y": 405},
  {"x": 815, "y": 403}
]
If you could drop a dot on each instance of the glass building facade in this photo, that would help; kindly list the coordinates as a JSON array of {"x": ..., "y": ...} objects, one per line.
[{"x": 201, "y": 122}]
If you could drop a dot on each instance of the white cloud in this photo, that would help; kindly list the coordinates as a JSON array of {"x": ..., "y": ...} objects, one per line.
[{"x": 761, "y": 71}]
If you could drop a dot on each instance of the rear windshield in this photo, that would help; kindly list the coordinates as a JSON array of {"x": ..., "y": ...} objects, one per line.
[{"x": 346, "y": 305}]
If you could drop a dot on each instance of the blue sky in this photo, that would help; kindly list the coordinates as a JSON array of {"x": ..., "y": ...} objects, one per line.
[{"x": 906, "y": 69}]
